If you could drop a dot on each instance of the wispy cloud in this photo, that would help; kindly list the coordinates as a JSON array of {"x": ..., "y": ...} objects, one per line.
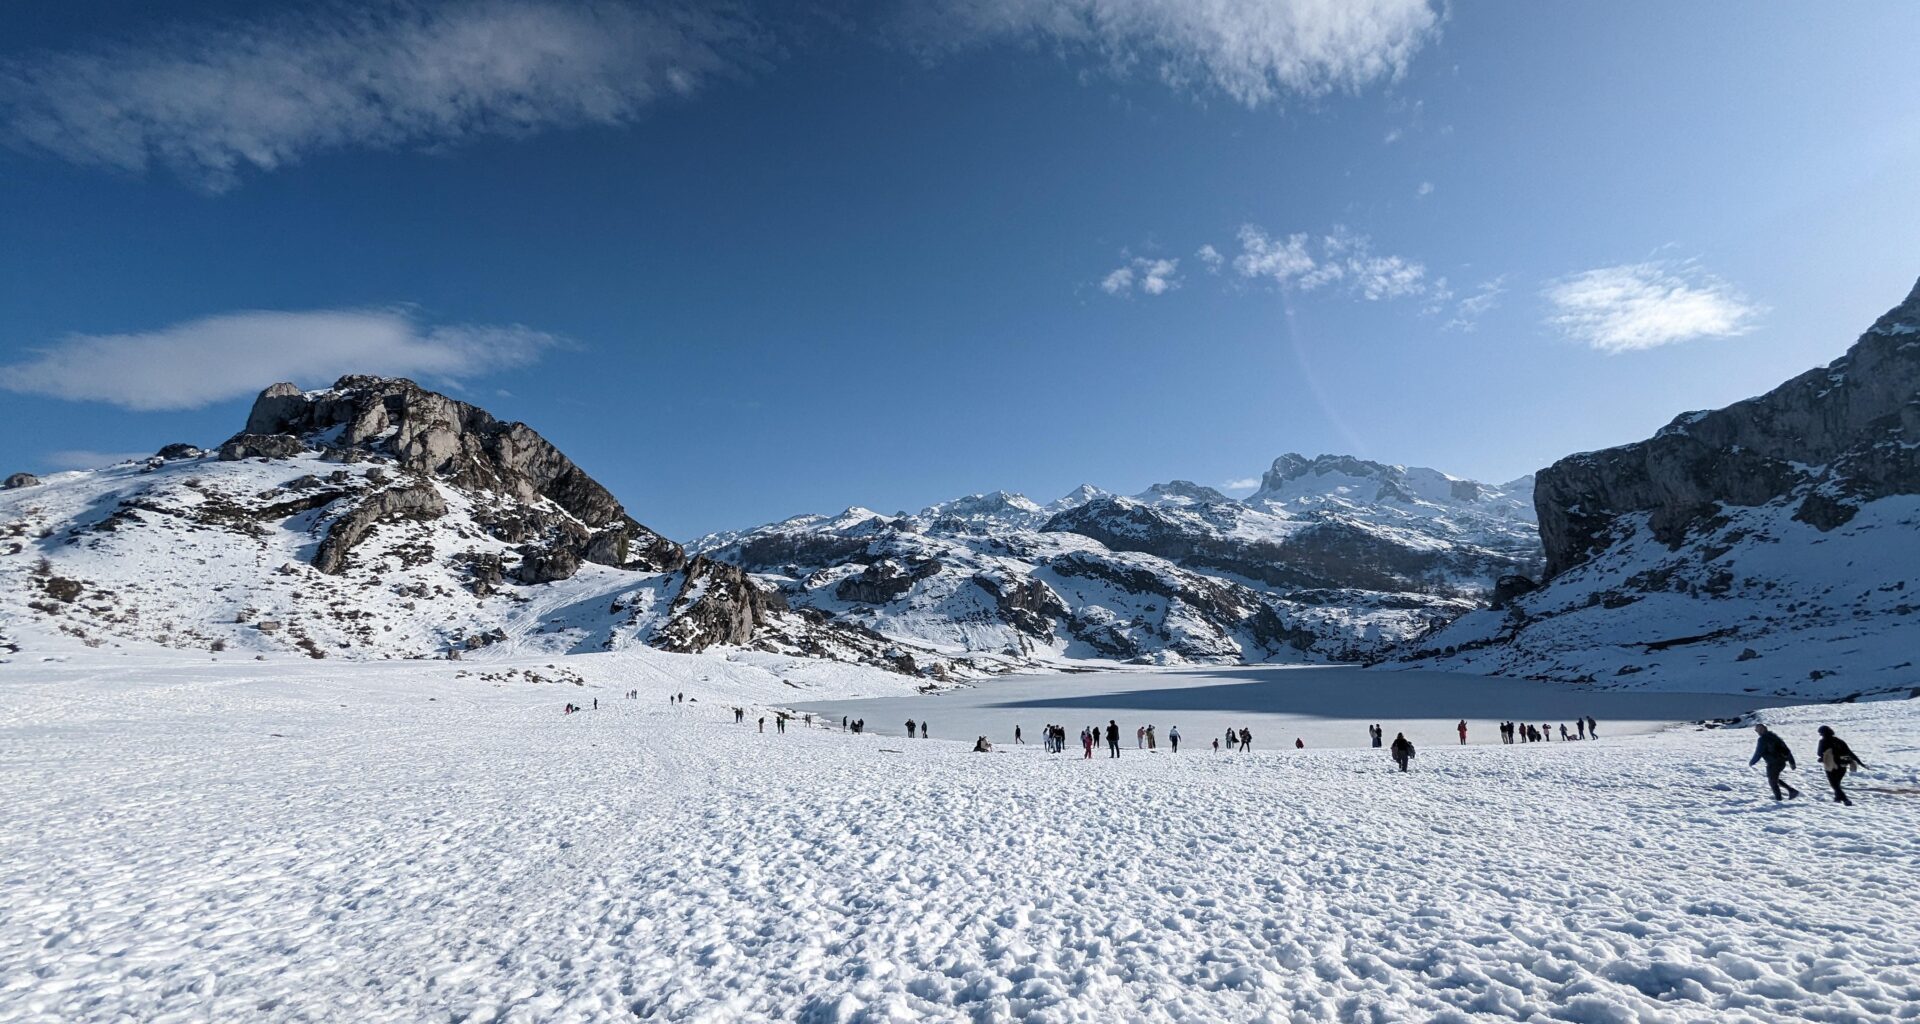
[
  {"x": 192, "y": 364},
  {"x": 1147, "y": 276},
  {"x": 212, "y": 102},
  {"x": 1210, "y": 258},
  {"x": 1468, "y": 311},
  {"x": 1245, "y": 483},
  {"x": 1340, "y": 259},
  {"x": 1254, "y": 51},
  {"x": 1637, "y": 306},
  {"x": 1423, "y": 189},
  {"x": 81, "y": 458}
]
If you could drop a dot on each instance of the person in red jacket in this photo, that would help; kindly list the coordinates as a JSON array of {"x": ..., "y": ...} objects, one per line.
[{"x": 1463, "y": 732}]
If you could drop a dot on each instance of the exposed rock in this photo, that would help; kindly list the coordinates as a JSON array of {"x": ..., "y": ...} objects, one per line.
[
  {"x": 260, "y": 446},
  {"x": 419, "y": 501},
  {"x": 61, "y": 589},
  {"x": 1506, "y": 588},
  {"x": 1846, "y": 430},
  {"x": 434, "y": 435},
  {"x": 181, "y": 451},
  {"x": 19, "y": 480},
  {"x": 547, "y": 565},
  {"x": 884, "y": 580},
  {"x": 717, "y": 604}
]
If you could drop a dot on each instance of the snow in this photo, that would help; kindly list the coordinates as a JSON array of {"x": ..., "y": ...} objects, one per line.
[{"x": 222, "y": 839}]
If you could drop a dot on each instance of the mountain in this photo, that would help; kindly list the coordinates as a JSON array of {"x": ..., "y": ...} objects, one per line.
[
  {"x": 1178, "y": 573},
  {"x": 1771, "y": 545},
  {"x": 374, "y": 519}
]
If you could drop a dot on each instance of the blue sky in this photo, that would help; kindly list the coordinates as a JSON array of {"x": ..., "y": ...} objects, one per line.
[{"x": 744, "y": 262}]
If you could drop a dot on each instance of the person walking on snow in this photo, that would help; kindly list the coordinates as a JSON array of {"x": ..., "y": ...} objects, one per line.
[
  {"x": 1216, "y": 744},
  {"x": 780, "y": 724},
  {"x": 926, "y": 731},
  {"x": 1246, "y": 739},
  {"x": 1173, "y": 737},
  {"x": 1151, "y": 744},
  {"x": 1016, "y": 736},
  {"x": 763, "y": 723},
  {"x": 1580, "y": 727},
  {"x": 1086, "y": 742},
  {"x": 1402, "y": 750},
  {"x": 1232, "y": 738},
  {"x": 1593, "y": 728},
  {"x": 909, "y": 728},
  {"x": 1836, "y": 757},
  {"x": 1462, "y": 728},
  {"x": 1373, "y": 733},
  {"x": 1140, "y": 737},
  {"x": 1773, "y": 750},
  {"x": 1113, "y": 738}
]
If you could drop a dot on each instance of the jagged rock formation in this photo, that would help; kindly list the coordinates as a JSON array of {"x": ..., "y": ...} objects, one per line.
[{"x": 1772, "y": 544}]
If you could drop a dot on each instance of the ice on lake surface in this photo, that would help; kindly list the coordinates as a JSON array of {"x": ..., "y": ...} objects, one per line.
[{"x": 1326, "y": 706}]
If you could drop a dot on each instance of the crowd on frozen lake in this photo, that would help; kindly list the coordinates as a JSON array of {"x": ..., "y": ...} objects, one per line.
[{"x": 403, "y": 841}]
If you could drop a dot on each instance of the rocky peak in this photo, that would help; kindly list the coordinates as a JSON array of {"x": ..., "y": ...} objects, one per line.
[
  {"x": 1182, "y": 492},
  {"x": 441, "y": 438},
  {"x": 1833, "y": 437}
]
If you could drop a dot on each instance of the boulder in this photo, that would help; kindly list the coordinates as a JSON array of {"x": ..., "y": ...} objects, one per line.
[
  {"x": 547, "y": 565},
  {"x": 181, "y": 451},
  {"x": 19, "y": 480},
  {"x": 260, "y": 446}
]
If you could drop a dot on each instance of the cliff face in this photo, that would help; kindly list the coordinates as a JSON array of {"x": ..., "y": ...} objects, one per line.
[
  {"x": 1833, "y": 437},
  {"x": 1770, "y": 545}
]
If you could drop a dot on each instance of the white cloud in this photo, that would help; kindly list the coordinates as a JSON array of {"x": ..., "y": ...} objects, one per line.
[
  {"x": 1340, "y": 258},
  {"x": 192, "y": 364},
  {"x": 1245, "y": 483},
  {"x": 412, "y": 73},
  {"x": 1254, "y": 51},
  {"x": 1149, "y": 276},
  {"x": 1425, "y": 188},
  {"x": 1467, "y": 313},
  {"x": 1210, "y": 258},
  {"x": 1393, "y": 135},
  {"x": 1637, "y": 306},
  {"x": 81, "y": 458}
]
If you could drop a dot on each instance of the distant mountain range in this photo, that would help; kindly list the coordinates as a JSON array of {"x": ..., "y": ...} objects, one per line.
[{"x": 1773, "y": 545}]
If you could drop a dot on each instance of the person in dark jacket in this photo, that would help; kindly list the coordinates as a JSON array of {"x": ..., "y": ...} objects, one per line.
[
  {"x": 1837, "y": 758},
  {"x": 1773, "y": 750},
  {"x": 1402, "y": 750},
  {"x": 1113, "y": 738}
]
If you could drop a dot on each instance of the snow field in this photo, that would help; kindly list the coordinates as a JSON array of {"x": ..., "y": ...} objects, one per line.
[{"x": 304, "y": 841}]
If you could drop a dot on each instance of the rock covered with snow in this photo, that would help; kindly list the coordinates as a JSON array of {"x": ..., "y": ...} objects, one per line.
[{"x": 19, "y": 480}]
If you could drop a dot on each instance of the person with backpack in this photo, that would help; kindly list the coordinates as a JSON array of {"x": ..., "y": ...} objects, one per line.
[
  {"x": 1837, "y": 758},
  {"x": 1402, "y": 750},
  {"x": 1173, "y": 737},
  {"x": 1773, "y": 750}
]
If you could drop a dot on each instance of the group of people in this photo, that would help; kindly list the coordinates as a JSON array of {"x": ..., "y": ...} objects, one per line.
[
  {"x": 925, "y": 729},
  {"x": 1836, "y": 758},
  {"x": 1584, "y": 728}
]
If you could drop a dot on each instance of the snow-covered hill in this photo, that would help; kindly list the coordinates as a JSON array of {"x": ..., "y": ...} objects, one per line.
[
  {"x": 1772, "y": 546},
  {"x": 1334, "y": 559},
  {"x": 372, "y": 519}
]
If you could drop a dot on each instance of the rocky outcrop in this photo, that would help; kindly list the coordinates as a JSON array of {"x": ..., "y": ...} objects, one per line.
[
  {"x": 1833, "y": 437},
  {"x": 177, "y": 451},
  {"x": 717, "y": 604},
  {"x": 439, "y": 437},
  {"x": 418, "y": 502},
  {"x": 260, "y": 446},
  {"x": 885, "y": 580},
  {"x": 19, "y": 480}
]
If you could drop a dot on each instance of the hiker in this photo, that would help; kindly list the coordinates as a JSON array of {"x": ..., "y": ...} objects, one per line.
[
  {"x": 1580, "y": 727},
  {"x": 926, "y": 731},
  {"x": 1232, "y": 738},
  {"x": 1462, "y": 729},
  {"x": 1216, "y": 744},
  {"x": 780, "y": 724},
  {"x": 1593, "y": 728},
  {"x": 1299, "y": 744},
  {"x": 1546, "y": 730},
  {"x": 1373, "y": 733},
  {"x": 1773, "y": 750},
  {"x": 1140, "y": 737},
  {"x": 1086, "y": 742},
  {"x": 1402, "y": 750},
  {"x": 1836, "y": 757},
  {"x": 1113, "y": 738},
  {"x": 981, "y": 746},
  {"x": 739, "y": 715},
  {"x": 763, "y": 723},
  {"x": 1246, "y": 739},
  {"x": 1173, "y": 737},
  {"x": 1565, "y": 736},
  {"x": 1016, "y": 736},
  {"x": 910, "y": 728},
  {"x": 1151, "y": 745}
]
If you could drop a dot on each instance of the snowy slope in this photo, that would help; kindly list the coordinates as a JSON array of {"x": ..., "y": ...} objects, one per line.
[
  {"x": 222, "y": 841},
  {"x": 1771, "y": 546}
]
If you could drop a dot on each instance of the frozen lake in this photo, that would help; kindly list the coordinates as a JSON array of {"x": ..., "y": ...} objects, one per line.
[{"x": 1326, "y": 706}]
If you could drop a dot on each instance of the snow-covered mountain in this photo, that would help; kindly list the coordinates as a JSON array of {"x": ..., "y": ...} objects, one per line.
[
  {"x": 1179, "y": 572},
  {"x": 372, "y": 519},
  {"x": 1772, "y": 545}
]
